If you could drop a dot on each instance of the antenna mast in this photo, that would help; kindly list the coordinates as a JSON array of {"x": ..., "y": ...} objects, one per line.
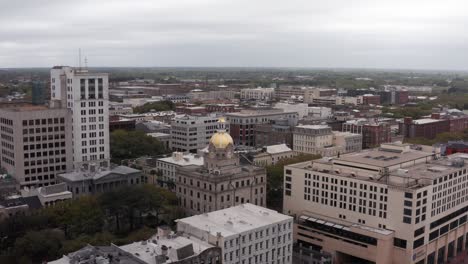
[{"x": 79, "y": 59}]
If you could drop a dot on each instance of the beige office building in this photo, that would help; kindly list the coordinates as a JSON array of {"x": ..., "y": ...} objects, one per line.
[
  {"x": 222, "y": 181},
  {"x": 393, "y": 204},
  {"x": 36, "y": 143}
]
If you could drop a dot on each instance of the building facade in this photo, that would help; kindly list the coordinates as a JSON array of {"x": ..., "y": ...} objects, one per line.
[
  {"x": 373, "y": 133},
  {"x": 94, "y": 181},
  {"x": 36, "y": 143},
  {"x": 86, "y": 94},
  {"x": 245, "y": 233},
  {"x": 258, "y": 94},
  {"x": 191, "y": 133},
  {"x": 270, "y": 155},
  {"x": 242, "y": 124},
  {"x": 221, "y": 182},
  {"x": 312, "y": 139},
  {"x": 167, "y": 167},
  {"x": 278, "y": 132},
  {"x": 393, "y": 204}
]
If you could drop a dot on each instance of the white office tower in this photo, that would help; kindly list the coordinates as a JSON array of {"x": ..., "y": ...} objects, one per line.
[
  {"x": 87, "y": 95},
  {"x": 245, "y": 233}
]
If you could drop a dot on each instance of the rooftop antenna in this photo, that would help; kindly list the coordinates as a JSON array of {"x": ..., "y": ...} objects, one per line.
[
  {"x": 79, "y": 59},
  {"x": 86, "y": 62}
]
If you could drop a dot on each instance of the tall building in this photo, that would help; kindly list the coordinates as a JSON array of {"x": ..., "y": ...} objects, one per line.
[
  {"x": 36, "y": 143},
  {"x": 222, "y": 181},
  {"x": 245, "y": 233},
  {"x": 393, "y": 204},
  {"x": 191, "y": 133},
  {"x": 87, "y": 95},
  {"x": 38, "y": 90},
  {"x": 242, "y": 124}
]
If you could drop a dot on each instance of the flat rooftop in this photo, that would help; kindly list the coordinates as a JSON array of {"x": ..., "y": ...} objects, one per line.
[
  {"x": 252, "y": 113},
  {"x": 425, "y": 121},
  {"x": 313, "y": 126},
  {"x": 148, "y": 250},
  {"x": 235, "y": 220},
  {"x": 382, "y": 158},
  {"x": 184, "y": 159}
]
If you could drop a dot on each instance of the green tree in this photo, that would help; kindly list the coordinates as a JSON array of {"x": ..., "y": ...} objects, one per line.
[
  {"x": 155, "y": 106},
  {"x": 39, "y": 246},
  {"x": 133, "y": 144}
]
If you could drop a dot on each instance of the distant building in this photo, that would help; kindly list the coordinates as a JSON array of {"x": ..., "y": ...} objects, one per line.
[
  {"x": 245, "y": 233},
  {"x": 277, "y": 132},
  {"x": 373, "y": 133},
  {"x": 301, "y": 108},
  {"x": 191, "y": 133},
  {"x": 92, "y": 182},
  {"x": 222, "y": 181},
  {"x": 221, "y": 108},
  {"x": 18, "y": 206},
  {"x": 272, "y": 154},
  {"x": 321, "y": 140},
  {"x": 38, "y": 93},
  {"x": 191, "y": 110},
  {"x": 424, "y": 128},
  {"x": 116, "y": 123},
  {"x": 259, "y": 94},
  {"x": 49, "y": 195},
  {"x": 242, "y": 124},
  {"x": 453, "y": 147},
  {"x": 373, "y": 99},
  {"x": 163, "y": 138}
]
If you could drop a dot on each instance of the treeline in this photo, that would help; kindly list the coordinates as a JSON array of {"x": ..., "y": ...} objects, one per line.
[
  {"x": 155, "y": 106},
  {"x": 122, "y": 216}
]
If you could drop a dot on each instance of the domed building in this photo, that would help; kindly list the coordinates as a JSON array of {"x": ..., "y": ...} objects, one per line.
[{"x": 223, "y": 181}]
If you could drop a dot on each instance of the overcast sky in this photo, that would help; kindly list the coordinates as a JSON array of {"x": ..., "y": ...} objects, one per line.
[{"x": 416, "y": 34}]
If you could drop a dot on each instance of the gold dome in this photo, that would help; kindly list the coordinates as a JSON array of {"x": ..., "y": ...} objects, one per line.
[{"x": 221, "y": 139}]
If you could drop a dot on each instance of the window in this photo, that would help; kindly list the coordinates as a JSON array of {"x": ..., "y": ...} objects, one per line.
[
  {"x": 407, "y": 220},
  {"x": 401, "y": 243}
]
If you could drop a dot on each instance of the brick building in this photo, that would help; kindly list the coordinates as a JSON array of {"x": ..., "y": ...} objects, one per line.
[{"x": 373, "y": 133}]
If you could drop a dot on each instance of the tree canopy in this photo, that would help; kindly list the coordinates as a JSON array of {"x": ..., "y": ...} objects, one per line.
[
  {"x": 133, "y": 144},
  {"x": 120, "y": 217},
  {"x": 155, "y": 106}
]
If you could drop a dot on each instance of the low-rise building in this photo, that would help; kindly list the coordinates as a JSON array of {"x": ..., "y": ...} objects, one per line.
[
  {"x": 95, "y": 180},
  {"x": 245, "y": 233},
  {"x": 347, "y": 142},
  {"x": 163, "y": 247},
  {"x": 272, "y": 154},
  {"x": 259, "y": 94},
  {"x": 49, "y": 195}
]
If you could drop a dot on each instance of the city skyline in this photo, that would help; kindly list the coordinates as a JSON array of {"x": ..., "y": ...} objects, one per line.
[{"x": 204, "y": 33}]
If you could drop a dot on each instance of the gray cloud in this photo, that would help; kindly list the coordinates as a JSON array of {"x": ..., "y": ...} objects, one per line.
[{"x": 426, "y": 34}]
